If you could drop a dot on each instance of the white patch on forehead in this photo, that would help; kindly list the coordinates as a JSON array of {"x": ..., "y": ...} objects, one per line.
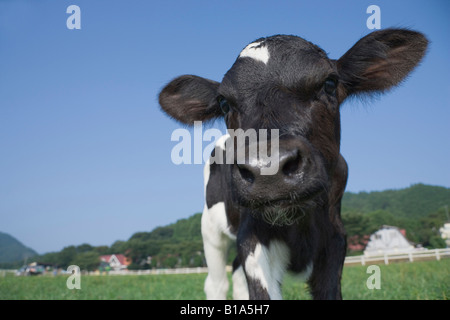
[{"x": 256, "y": 51}]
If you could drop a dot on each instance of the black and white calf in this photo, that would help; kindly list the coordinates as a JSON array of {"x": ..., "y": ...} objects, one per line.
[{"x": 288, "y": 221}]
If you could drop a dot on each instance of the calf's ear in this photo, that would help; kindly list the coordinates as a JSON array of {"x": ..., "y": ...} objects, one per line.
[
  {"x": 190, "y": 98},
  {"x": 381, "y": 60}
]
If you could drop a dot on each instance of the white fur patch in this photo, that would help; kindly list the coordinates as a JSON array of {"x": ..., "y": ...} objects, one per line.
[
  {"x": 221, "y": 141},
  {"x": 216, "y": 239},
  {"x": 215, "y": 245},
  {"x": 206, "y": 170},
  {"x": 257, "y": 52},
  {"x": 240, "y": 287},
  {"x": 215, "y": 220},
  {"x": 268, "y": 265},
  {"x": 205, "y": 176}
]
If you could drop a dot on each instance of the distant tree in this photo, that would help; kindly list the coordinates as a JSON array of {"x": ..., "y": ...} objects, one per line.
[
  {"x": 66, "y": 256},
  {"x": 136, "y": 249},
  {"x": 197, "y": 260},
  {"x": 138, "y": 266},
  {"x": 50, "y": 258},
  {"x": 436, "y": 242},
  {"x": 355, "y": 223},
  {"x": 428, "y": 233},
  {"x": 188, "y": 229},
  {"x": 170, "y": 262},
  {"x": 140, "y": 236},
  {"x": 102, "y": 250},
  {"x": 153, "y": 247},
  {"x": 378, "y": 218},
  {"x": 159, "y": 233},
  {"x": 118, "y": 247},
  {"x": 87, "y": 260},
  {"x": 85, "y": 247}
]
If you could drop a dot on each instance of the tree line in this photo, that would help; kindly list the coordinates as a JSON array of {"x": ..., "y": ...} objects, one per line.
[
  {"x": 420, "y": 209},
  {"x": 176, "y": 245}
]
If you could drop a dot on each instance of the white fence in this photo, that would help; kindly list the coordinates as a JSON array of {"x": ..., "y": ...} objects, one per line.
[
  {"x": 3, "y": 272},
  {"x": 154, "y": 271},
  {"x": 435, "y": 254}
]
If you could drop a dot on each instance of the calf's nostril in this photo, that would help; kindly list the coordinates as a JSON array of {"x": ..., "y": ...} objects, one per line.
[
  {"x": 291, "y": 164},
  {"x": 246, "y": 174}
]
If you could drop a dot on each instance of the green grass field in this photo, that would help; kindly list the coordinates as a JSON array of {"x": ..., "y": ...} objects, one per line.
[{"x": 405, "y": 281}]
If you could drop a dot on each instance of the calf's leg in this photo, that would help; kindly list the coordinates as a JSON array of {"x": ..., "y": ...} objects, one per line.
[{"x": 215, "y": 245}]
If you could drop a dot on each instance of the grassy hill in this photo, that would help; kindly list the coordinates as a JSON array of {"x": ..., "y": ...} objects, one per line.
[
  {"x": 420, "y": 209},
  {"x": 414, "y": 202},
  {"x": 12, "y": 249}
]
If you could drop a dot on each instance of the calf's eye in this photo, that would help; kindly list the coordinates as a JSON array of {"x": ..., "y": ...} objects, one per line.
[
  {"x": 224, "y": 105},
  {"x": 330, "y": 86}
]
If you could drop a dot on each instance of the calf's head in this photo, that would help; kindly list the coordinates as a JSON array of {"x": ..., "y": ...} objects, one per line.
[{"x": 287, "y": 83}]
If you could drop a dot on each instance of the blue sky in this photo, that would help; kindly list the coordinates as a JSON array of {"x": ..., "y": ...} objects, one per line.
[{"x": 85, "y": 150}]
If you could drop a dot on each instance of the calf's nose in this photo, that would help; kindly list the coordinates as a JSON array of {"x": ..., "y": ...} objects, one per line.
[{"x": 287, "y": 162}]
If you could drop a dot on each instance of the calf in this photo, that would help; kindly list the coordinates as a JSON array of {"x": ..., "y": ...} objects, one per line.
[{"x": 290, "y": 220}]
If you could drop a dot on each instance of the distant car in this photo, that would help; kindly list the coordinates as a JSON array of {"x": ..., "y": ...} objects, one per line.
[
  {"x": 22, "y": 271},
  {"x": 30, "y": 270},
  {"x": 64, "y": 272},
  {"x": 36, "y": 270}
]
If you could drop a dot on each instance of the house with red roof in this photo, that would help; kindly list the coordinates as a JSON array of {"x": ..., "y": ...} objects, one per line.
[{"x": 116, "y": 261}]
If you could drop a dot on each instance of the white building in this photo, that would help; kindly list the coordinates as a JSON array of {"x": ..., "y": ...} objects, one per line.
[
  {"x": 445, "y": 233},
  {"x": 388, "y": 240}
]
